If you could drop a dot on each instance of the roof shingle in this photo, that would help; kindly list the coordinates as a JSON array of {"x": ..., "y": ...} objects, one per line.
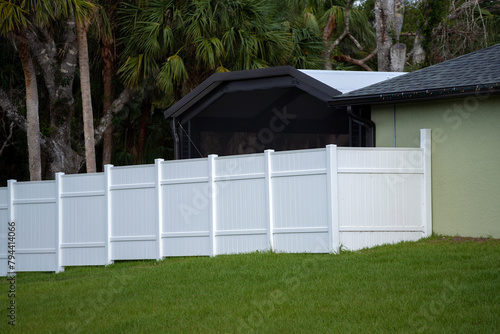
[{"x": 471, "y": 70}]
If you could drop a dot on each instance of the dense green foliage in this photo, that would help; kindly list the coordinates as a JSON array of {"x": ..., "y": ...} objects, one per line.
[
  {"x": 451, "y": 28},
  {"x": 164, "y": 48},
  {"x": 436, "y": 285},
  {"x": 432, "y": 12},
  {"x": 179, "y": 43}
]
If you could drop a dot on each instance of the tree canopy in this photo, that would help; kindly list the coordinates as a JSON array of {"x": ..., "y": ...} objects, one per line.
[{"x": 144, "y": 55}]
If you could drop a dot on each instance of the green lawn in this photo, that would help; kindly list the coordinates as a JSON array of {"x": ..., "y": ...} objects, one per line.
[{"x": 436, "y": 285}]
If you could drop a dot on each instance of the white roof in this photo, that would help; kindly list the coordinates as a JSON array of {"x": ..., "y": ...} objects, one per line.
[{"x": 347, "y": 81}]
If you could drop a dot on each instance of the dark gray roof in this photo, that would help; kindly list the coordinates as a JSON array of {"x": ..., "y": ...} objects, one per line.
[
  {"x": 220, "y": 84},
  {"x": 463, "y": 75}
]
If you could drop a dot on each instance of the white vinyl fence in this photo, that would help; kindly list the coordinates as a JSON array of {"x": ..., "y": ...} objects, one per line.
[{"x": 314, "y": 200}]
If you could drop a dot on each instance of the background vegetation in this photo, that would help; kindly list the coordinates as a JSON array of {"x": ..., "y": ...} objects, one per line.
[{"x": 144, "y": 55}]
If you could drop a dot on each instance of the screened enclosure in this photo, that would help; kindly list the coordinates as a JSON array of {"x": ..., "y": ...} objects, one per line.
[{"x": 250, "y": 111}]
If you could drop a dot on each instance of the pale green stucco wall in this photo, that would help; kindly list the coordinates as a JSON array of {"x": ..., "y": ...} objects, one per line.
[{"x": 465, "y": 158}]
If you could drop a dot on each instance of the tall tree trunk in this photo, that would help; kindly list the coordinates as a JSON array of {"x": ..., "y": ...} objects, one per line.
[
  {"x": 418, "y": 50},
  {"x": 33, "y": 126},
  {"x": 58, "y": 74},
  {"x": 108, "y": 57},
  {"x": 58, "y": 65},
  {"x": 389, "y": 21},
  {"x": 63, "y": 157},
  {"x": 328, "y": 30},
  {"x": 88, "y": 119},
  {"x": 108, "y": 92},
  {"x": 398, "y": 57},
  {"x": 107, "y": 145}
]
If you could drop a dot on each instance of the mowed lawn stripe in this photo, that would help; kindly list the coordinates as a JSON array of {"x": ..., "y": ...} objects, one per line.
[{"x": 438, "y": 284}]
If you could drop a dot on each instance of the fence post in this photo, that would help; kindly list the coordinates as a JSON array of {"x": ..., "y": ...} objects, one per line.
[
  {"x": 12, "y": 218},
  {"x": 333, "y": 197},
  {"x": 107, "y": 191},
  {"x": 212, "y": 218},
  {"x": 269, "y": 198},
  {"x": 159, "y": 211},
  {"x": 59, "y": 222},
  {"x": 426, "y": 145}
]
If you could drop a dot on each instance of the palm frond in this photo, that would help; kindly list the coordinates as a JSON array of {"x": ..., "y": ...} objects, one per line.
[
  {"x": 81, "y": 10},
  {"x": 136, "y": 69},
  {"x": 173, "y": 72},
  {"x": 12, "y": 17},
  {"x": 209, "y": 51}
]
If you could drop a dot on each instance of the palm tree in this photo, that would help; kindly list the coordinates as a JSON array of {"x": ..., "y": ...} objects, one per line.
[
  {"x": 172, "y": 46},
  {"x": 106, "y": 32},
  {"x": 174, "y": 41},
  {"x": 15, "y": 18},
  {"x": 54, "y": 47},
  {"x": 148, "y": 29},
  {"x": 82, "y": 26}
]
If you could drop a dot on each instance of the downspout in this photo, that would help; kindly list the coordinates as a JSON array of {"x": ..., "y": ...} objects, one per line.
[
  {"x": 367, "y": 124},
  {"x": 176, "y": 139},
  {"x": 350, "y": 132},
  {"x": 394, "y": 124},
  {"x": 189, "y": 137}
]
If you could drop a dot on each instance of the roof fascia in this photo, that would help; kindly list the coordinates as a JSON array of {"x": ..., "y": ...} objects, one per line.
[{"x": 417, "y": 96}]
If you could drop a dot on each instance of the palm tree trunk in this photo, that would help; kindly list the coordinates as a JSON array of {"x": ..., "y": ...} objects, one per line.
[
  {"x": 108, "y": 92},
  {"x": 33, "y": 126},
  {"x": 88, "y": 119}
]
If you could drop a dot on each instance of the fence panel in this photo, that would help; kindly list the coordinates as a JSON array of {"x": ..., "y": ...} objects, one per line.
[
  {"x": 380, "y": 196},
  {"x": 83, "y": 203},
  {"x": 299, "y": 182},
  {"x": 34, "y": 209},
  {"x": 295, "y": 201},
  {"x": 133, "y": 218},
  {"x": 186, "y": 200},
  {"x": 240, "y": 204}
]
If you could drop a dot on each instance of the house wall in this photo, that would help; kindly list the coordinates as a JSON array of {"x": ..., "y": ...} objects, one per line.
[{"x": 465, "y": 158}]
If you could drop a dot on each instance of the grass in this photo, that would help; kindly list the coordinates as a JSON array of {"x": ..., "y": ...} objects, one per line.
[{"x": 435, "y": 285}]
